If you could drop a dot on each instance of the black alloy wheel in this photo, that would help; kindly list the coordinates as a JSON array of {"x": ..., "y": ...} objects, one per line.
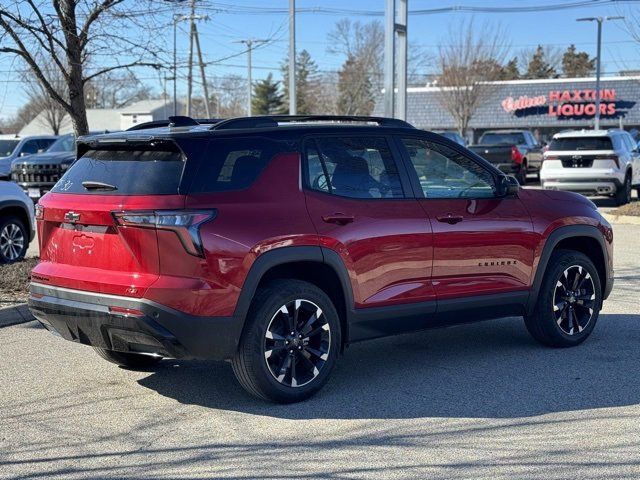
[
  {"x": 574, "y": 300},
  {"x": 297, "y": 343}
]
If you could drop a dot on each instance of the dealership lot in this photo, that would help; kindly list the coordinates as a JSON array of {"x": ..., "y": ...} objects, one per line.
[{"x": 474, "y": 401}]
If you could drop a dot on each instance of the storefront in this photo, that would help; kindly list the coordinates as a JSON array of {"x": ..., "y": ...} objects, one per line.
[{"x": 543, "y": 106}]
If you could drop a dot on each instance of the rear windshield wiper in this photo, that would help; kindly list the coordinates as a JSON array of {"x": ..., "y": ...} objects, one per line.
[{"x": 92, "y": 185}]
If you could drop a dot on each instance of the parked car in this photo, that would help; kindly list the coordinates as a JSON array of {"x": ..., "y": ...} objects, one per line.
[
  {"x": 38, "y": 173},
  {"x": 15, "y": 146},
  {"x": 593, "y": 162},
  {"x": 453, "y": 136},
  {"x": 515, "y": 152},
  {"x": 275, "y": 247},
  {"x": 17, "y": 225}
]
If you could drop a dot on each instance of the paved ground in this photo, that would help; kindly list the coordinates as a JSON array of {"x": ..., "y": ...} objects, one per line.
[{"x": 480, "y": 401}]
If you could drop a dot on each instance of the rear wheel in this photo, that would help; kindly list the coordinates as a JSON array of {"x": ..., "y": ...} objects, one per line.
[
  {"x": 623, "y": 195},
  {"x": 522, "y": 174},
  {"x": 569, "y": 301},
  {"x": 13, "y": 240},
  {"x": 290, "y": 343},
  {"x": 129, "y": 360}
]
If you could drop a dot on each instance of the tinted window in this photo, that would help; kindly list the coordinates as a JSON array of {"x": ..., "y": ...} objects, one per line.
[
  {"x": 445, "y": 173},
  {"x": 353, "y": 167},
  {"x": 581, "y": 143},
  {"x": 132, "y": 172},
  {"x": 502, "y": 139},
  {"x": 233, "y": 164},
  {"x": 7, "y": 146}
]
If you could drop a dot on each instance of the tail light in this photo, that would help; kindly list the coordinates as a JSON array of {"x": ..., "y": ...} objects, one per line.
[
  {"x": 516, "y": 156},
  {"x": 39, "y": 211},
  {"x": 184, "y": 223},
  {"x": 613, "y": 157}
]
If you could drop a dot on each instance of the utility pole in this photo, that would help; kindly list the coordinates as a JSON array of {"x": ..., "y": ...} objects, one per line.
[
  {"x": 401, "y": 30},
  {"x": 205, "y": 87},
  {"x": 395, "y": 26},
  {"x": 190, "y": 71},
  {"x": 389, "y": 57},
  {"x": 292, "y": 58},
  {"x": 250, "y": 43},
  {"x": 599, "y": 48}
]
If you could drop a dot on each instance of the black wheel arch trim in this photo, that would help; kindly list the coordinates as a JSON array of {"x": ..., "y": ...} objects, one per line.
[{"x": 562, "y": 233}]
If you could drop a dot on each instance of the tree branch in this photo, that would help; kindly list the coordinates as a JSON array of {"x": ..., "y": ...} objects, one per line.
[
  {"x": 92, "y": 17},
  {"x": 117, "y": 67}
]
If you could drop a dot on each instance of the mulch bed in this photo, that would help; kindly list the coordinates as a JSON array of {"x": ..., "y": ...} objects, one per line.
[
  {"x": 14, "y": 281},
  {"x": 631, "y": 209}
]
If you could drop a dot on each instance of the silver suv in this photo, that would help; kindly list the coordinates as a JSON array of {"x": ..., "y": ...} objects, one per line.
[{"x": 593, "y": 162}]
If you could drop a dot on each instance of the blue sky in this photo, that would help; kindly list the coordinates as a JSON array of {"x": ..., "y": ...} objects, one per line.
[{"x": 218, "y": 34}]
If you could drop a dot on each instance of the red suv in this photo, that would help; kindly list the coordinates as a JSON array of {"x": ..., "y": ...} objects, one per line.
[{"x": 275, "y": 242}]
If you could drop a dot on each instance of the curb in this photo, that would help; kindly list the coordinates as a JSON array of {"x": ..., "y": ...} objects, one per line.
[
  {"x": 625, "y": 219},
  {"x": 14, "y": 315}
]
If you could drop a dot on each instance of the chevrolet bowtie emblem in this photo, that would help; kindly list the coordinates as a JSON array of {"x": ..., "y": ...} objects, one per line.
[{"x": 72, "y": 217}]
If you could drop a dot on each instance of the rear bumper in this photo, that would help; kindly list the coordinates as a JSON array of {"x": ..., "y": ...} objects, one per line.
[
  {"x": 593, "y": 186},
  {"x": 86, "y": 317}
]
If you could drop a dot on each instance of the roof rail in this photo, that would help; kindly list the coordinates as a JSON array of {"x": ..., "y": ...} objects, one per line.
[
  {"x": 169, "y": 123},
  {"x": 273, "y": 121}
]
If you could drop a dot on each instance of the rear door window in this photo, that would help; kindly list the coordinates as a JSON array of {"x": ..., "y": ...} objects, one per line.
[
  {"x": 355, "y": 167},
  {"x": 581, "y": 143},
  {"x": 154, "y": 171},
  {"x": 234, "y": 164}
]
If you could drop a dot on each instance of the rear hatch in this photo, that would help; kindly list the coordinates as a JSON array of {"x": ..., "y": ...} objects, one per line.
[
  {"x": 582, "y": 152},
  {"x": 494, "y": 154},
  {"x": 83, "y": 243}
]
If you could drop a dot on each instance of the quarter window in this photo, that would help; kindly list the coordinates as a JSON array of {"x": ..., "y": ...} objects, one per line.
[
  {"x": 356, "y": 167},
  {"x": 445, "y": 173}
]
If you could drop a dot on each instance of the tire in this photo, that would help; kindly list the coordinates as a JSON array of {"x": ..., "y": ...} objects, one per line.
[
  {"x": 129, "y": 360},
  {"x": 522, "y": 174},
  {"x": 276, "y": 366},
  {"x": 14, "y": 240},
  {"x": 556, "y": 329},
  {"x": 623, "y": 195}
]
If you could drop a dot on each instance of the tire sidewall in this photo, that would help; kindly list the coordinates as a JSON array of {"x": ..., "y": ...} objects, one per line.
[
  {"x": 260, "y": 317},
  {"x": 16, "y": 221},
  {"x": 545, "y": 307}
]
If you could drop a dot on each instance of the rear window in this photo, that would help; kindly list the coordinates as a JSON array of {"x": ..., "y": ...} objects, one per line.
[
  {"x": 132, "y": 172},
  {"x": 234, "y": 164},
  {"x": 581, "y": 143},
  {"x": 502, "y": 139}
]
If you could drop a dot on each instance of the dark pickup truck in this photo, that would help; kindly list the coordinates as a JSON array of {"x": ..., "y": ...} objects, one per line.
[{"x": 515, "y": 152}]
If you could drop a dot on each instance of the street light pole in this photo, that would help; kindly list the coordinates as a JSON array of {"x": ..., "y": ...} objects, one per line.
[
  {"x": 598, "y": 62},
  {"x": 175, "y": 66},
  {"x": 293, "y": 103}
]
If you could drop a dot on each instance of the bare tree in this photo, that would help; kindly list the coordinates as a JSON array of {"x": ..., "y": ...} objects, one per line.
[
  {"x": 470, "y": 59},
  {"x": 115, "y": 90},
  {"x": 77, "y": 35},
  {"x": 52, "y": 111}
]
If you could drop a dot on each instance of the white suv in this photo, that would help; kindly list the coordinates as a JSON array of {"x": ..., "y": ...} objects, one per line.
[{"x": 593, "y": 162}]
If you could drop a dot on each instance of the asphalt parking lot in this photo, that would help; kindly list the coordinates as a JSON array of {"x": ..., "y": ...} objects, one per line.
[{"x": 478, "y": 401}]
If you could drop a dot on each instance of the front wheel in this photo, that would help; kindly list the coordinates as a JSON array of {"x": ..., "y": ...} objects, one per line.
[
  {"x": 129, "y": 360},
  {"x": 290, "y": 344},
  {"x": 569, "y": 301}
]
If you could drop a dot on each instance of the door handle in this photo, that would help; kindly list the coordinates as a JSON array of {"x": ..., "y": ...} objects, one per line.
[
  {"x": 338, "y": 218},
  {"x": 450, "y": 218}
]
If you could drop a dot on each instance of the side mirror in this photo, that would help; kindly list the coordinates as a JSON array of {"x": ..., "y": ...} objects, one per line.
[{"x": 508, "y": 186}]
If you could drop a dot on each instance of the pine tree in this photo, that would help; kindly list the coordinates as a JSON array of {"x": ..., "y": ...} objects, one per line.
[
  {"x": 306, "y": 77},
  {"x": 267, "y": 99},
  {"x": 539, "y": 67},
  {"x": 510, "y": 71},
  {"x": 355, "y": 91},
  {"x": 577, "y": 64}
]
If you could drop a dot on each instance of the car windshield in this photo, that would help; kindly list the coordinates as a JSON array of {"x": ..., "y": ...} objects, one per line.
[
  {"x": 502, "y": 139},
  {"x": 7, "y": 147},
  {"x": 63, "y": 144},
  {"x": 581, "y": 143}
]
